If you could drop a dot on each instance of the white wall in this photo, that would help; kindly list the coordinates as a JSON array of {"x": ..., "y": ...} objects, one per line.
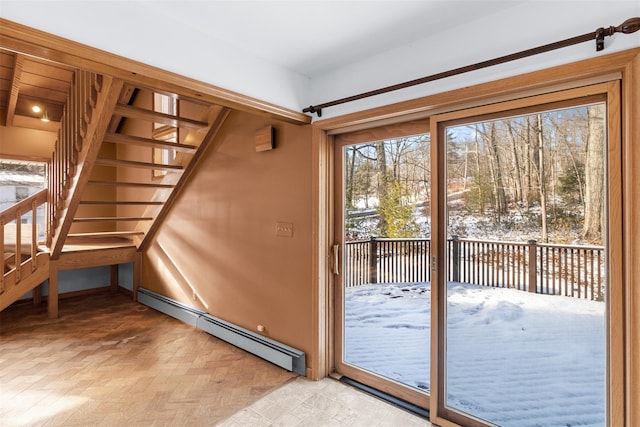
[
  {"x": 135, "y": 30},
  {"x": 520, "y": 27},
  {"x": 138, "y": 31}
]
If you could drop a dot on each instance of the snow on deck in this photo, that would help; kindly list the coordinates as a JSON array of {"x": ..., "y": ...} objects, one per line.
[{"x": 514, "y": 358}]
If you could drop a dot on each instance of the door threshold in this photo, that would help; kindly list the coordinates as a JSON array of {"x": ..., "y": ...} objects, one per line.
[{"x": 414, "y": 409}]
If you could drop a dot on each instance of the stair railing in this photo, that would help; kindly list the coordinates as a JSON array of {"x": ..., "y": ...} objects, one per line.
[
  {"x": 17, "y": 253},
  {"x": 76, "y": 116}
]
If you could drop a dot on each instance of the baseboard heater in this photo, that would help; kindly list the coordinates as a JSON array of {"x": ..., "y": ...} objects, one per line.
[{"x": 277, "y": 353}]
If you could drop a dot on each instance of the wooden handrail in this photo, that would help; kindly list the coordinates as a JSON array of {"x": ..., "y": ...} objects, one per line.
[
  {"x": 11, "y": 212},
  {"x": 14, "y": 213}
]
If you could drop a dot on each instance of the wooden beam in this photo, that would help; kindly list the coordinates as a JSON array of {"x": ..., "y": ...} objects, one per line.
[
  {"x": 214, "y": 128},
  {"x": 125, "y": 97},
  {"x": 131, "y": 184},
  {"x": 156, "y": 117},
  {"x": 114, "y": 278},
  {"x": 96, "y": 258},
  {"x": 52, "y": 297},
  {"x": 87, "y": 158},
  {"x": 120, "y": 202},
  {"x": 15, "y": 88},
  {"x": 117, "y": 138},
  {"x": 103, "y": 234},
  {"x": 131, "y": 164},
  {"x": 137, "y": 274},
  {"x": 113, "y": 219}
]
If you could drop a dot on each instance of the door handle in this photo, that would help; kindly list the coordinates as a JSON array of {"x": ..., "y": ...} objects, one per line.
[{"x": 336, "y": 257}]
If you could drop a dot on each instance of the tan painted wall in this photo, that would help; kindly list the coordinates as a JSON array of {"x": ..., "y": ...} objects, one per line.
[
  {"x": 218, "y": 248},
  {"x": 26, "y": 143}
]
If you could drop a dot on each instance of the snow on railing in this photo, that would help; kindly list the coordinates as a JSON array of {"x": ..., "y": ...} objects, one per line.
[{"x": 570, "y": 270}]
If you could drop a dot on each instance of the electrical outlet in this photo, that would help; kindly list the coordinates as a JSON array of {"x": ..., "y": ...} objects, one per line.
[{"x": 284, "y": 229}]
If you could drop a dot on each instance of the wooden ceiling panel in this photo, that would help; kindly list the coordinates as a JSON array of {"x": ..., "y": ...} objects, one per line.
[
  {"x": 7, "y": 62},
  {"x": 48, "y": 69},
  {"x": 38, "y": 80},
  {"x": 7, "y": 59},
  {"x": 6, "y": 73},
  {"x": 25, "y": 104},
  {"x": 42, "y": 92},
  {"x": 26, "y": 81}
]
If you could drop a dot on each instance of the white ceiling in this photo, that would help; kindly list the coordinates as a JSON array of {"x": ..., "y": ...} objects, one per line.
[
  {"x": 311, "y": 37},
  {"x": 293, "y": 53}
]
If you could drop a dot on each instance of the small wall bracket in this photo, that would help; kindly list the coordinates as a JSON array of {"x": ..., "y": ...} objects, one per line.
[
  {"x": 311, "y": 109},
  {"x": 600, "y": 33}
]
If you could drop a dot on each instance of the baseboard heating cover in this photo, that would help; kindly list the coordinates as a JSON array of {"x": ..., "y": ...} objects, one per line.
[{"x": 277, "y": 353}]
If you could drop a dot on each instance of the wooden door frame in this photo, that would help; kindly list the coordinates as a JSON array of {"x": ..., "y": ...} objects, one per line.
[
  {"x": 623, "y": 66},
  {"x": 607, "y": 92}
]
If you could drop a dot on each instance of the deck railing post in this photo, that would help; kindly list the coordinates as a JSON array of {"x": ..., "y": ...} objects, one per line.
[
  {"x": 455, "y": 255},
  {"x": 532, "y": 265},
  {"x": 373, "y": 260}
]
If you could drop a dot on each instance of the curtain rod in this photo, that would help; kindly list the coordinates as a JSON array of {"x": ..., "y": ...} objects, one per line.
[{"x": 629, "y": 26}]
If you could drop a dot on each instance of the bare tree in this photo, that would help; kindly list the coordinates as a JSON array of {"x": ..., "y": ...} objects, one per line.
[
  {"x": 542, "y": 180},
  {"x": 594, "y": 175}
]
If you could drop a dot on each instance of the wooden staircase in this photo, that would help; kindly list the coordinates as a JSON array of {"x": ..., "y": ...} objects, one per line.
[{"x": 110, "y": 183}]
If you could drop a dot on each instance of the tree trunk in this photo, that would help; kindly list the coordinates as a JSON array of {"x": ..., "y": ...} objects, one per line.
[
  {"x": 351, "y": 166},
  {"x": 383, "y": 178},
  {"x": 498, "y": 183},
  {"x": 480, "y": 187},
  {"x": 542, "y": 181},
  {"x": 516, "y": 164},
  {"x": 594, "y": 176}
]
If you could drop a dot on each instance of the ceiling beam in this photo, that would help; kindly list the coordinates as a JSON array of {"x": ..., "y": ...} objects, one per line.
[{"x": 15, "y": 88}]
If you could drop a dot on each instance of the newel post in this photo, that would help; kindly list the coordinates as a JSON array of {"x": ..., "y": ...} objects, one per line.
[
  {"x": 373, "y": 260},
  {"x": 533, "y": 273}
]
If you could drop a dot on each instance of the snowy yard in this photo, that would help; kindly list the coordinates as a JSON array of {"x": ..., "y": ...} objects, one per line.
[{"x": 514, "y": 358}]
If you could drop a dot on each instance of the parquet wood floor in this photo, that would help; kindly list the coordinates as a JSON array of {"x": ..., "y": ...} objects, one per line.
[{"x": 107, "y": 361}]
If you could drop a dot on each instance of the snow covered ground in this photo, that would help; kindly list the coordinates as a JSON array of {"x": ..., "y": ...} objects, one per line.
[{"x": 514, "y": 358}]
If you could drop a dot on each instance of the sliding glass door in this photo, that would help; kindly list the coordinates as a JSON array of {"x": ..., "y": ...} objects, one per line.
[
  {"x": 525, "y": 284},
  {"x": 383, "y": 284},
  {"x": 475, "y": 264}
]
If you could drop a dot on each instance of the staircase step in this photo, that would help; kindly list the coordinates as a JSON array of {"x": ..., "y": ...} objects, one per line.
[
  {"x": 156, "y": 117},
  {"x": 120, "y": 202},
  {"x": 101, "y": 234},
  {"x": 132, "y": 164},
  {"x": 146, "y": 142},
  {"x": 113, "y": 219},
  {"x": 131, "y": 184}
]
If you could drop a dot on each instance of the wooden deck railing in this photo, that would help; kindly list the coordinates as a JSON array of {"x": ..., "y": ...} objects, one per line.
[
  {"x": 18, "y": 241},
  {"x": 73, "y": 127},
  {"x": 571, "y": 270}
]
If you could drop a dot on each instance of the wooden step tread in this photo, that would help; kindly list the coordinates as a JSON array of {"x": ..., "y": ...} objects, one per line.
[
  {"x": 113, "y": 219},
  {"x": 117, "y": 138},
  {"x": 156, "y": 117},
  {"x": 133, "y": 164},
  {"x": 121, "y": 202},
  {"x": 131, "y": 184},
  {"x": 101, "y": 234}
]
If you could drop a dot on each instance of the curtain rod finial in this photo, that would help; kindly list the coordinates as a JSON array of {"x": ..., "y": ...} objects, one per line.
[{"x": 629, "y": 26}]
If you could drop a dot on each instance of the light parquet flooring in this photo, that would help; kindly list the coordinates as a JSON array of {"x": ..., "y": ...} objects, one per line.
[{"x": 107, "y": 361}]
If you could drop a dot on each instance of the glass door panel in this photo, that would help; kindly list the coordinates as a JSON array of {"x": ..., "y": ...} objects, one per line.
[
  {"x": 526, "y": 307},
  {"x": 384, "y": 282}
]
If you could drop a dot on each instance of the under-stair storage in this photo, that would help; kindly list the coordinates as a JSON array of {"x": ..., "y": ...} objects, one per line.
[{"x": 121, "y": 156}]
